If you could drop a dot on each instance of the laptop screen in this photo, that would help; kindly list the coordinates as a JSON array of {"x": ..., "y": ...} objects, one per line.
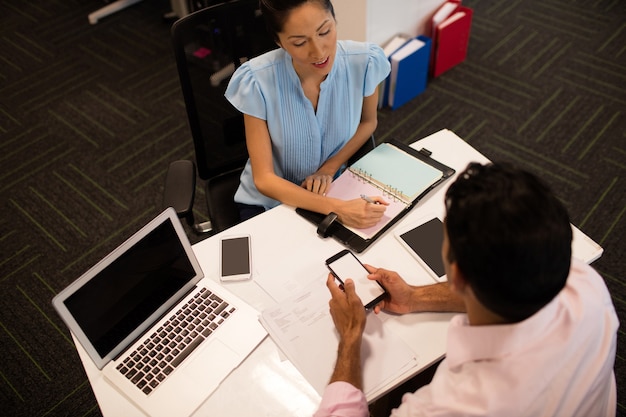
[{"x": 120, "y": 297}]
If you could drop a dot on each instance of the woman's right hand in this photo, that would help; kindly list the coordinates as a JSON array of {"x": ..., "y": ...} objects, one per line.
[{"x": 360, "y": 214}]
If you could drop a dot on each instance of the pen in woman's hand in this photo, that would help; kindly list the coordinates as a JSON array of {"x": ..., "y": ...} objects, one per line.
[{"x": 369, "y": 200}]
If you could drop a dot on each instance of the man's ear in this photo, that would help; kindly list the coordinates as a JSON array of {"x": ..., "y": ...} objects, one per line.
[{"x": 456, "y": 280}]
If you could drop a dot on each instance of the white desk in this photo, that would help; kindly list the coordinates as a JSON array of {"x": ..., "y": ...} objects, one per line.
[{"x": 286, "y": 247}]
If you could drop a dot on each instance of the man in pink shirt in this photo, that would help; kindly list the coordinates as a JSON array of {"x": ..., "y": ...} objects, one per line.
[{"x": 538, "y": 333}]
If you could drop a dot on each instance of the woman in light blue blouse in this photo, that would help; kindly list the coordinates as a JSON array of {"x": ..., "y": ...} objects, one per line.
[{"x": 308, "y": 106}]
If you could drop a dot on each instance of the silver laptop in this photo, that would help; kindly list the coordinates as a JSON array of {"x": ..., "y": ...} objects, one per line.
[{"x": 162, "y": 334}]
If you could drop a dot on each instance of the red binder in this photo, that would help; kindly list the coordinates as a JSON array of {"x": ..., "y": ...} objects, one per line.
[{"x": 451, "y": 38}]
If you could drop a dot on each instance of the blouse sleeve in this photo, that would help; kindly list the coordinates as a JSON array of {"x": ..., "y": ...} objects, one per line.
[
  {"x": 244, "y": 93},
  {"x": 378, "y": 69}
]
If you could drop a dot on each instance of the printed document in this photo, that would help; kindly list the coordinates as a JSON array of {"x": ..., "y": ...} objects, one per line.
[{"x": 304, "y": 330}]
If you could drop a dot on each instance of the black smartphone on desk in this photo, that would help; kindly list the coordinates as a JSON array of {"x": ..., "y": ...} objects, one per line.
[{"x": 344, "y": 265}]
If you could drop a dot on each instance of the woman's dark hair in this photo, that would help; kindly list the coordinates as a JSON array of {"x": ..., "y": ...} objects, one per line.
[
  {"x": 510, "y": 236},
  {"x": 275, "y": 12}
]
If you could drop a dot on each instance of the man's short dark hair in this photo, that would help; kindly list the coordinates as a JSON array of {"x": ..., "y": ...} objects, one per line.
[{"x": 510, "y": 236}]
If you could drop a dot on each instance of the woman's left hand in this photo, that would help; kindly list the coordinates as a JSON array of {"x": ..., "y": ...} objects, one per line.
[{"x": 317, "y": 183}]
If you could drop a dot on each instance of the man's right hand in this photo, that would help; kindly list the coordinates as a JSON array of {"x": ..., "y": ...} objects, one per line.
[
  {"x": 404, "y": 298},
  {"x": 399, "y": 294}
]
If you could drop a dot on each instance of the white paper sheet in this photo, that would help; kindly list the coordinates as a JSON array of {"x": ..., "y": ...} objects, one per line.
[{"x": 303, "y": 328}]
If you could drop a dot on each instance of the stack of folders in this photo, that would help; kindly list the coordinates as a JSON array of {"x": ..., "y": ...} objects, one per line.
[
  {"x": 389, "y": 48},
  {"x": 409, "y": 71},
  {"x": 450, "y": 33}
]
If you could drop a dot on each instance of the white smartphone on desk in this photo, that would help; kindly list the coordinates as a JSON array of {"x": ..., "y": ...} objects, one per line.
[{"x": 235, "y": 258}]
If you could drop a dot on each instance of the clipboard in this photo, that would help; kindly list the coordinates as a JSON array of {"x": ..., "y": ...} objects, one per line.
[{"x": 401, "y": 174}]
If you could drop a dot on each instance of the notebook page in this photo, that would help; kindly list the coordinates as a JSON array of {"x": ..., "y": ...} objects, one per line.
[
  {"x": 396, "y": 171},
  {"x": 349, "y": 187}
]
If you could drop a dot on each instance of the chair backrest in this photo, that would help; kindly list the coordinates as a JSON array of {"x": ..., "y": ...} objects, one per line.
[{"x": 209, "y": 45}]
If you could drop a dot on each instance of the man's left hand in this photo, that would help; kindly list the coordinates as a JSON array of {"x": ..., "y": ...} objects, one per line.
[{"x": 347, "y": 310}]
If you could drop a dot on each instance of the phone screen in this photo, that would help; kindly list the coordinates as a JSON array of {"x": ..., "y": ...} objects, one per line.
[
  {"x": 345, "y": 265},
  {"x": 236, "y": 257}
]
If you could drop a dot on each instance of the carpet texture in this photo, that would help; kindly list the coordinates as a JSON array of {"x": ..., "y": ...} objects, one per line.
[{"x": 91, "y": 116}]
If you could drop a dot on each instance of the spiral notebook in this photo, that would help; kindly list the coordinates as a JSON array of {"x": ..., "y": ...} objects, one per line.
[{"x": 393, "y": 170}]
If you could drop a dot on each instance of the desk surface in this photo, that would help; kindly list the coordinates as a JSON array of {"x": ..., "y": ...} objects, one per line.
[{"x": 286, "y": 248}]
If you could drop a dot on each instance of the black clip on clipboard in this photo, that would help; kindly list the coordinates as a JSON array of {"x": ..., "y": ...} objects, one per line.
[{"x": 328, "y": 226}]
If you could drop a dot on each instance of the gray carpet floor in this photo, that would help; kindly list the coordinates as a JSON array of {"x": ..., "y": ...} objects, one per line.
[{"x": 90, "y": 117}]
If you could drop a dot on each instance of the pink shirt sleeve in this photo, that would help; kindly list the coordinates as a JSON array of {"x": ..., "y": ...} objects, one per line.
[{"x": 342, "y": 399}]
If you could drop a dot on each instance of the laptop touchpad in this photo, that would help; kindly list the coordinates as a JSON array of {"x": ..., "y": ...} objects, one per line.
[{"x": 219, "y": 362}]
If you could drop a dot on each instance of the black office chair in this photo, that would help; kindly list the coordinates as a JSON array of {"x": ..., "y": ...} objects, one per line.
[{"x": 209, "y": 45}]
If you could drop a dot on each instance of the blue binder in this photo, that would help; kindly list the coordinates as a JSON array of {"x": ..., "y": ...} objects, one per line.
[
  {"x": 389, "y": 49},
  {"x": 411, "y": 74}
]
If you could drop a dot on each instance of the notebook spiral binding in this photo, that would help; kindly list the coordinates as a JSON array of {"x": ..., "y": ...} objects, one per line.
[{"x": 387, "y": 190}]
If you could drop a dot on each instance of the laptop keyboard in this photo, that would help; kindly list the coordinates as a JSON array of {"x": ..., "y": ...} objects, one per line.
[{"x": 151, "y": 363}]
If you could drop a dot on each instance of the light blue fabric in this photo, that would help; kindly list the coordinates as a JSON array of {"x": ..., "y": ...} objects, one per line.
[{"x": 267, "y": 87}]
